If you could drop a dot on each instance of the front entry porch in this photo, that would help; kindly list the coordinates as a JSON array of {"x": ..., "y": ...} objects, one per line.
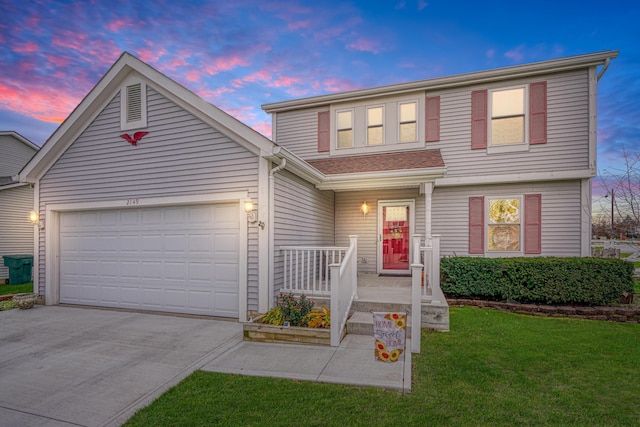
[{"x": 330, "y": 274}]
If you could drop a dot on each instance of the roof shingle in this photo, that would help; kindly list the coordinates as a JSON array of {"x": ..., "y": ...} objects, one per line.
[{"x": 418, "y": 159}]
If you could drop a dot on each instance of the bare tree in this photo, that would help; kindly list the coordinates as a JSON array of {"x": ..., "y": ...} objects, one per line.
[{"x": 623, "y": 193}]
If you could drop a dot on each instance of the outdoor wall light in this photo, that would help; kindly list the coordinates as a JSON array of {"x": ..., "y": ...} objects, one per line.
[
  {"x": 364, "y": 208},
  {"x": 252, "y": 216},
  {"x": 34, "y": 218}
]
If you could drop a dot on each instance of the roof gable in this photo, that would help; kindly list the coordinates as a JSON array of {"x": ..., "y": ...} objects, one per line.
[{"x": 104, "y": 91}]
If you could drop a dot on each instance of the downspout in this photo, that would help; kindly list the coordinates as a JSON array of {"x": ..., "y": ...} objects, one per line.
[
  {"x": 604, "y": 68},
  {"x": 271, "y": 226}
]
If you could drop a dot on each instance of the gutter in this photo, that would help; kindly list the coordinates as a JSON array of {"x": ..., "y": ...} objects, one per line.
[
  {"x": 604, "y": 68},
  {"x": 271, "y": 226}
]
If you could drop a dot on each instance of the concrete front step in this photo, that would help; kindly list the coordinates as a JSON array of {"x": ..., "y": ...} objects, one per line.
[
  {"x": 368, "y": 306},
  {"x": 361, "y": 323}
]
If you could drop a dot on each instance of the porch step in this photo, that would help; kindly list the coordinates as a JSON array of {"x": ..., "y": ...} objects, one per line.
[
  {"x": 361, "y": 323},
  {"x": 366, "y": 305}
]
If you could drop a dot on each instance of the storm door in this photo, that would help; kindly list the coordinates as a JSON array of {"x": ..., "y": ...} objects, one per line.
[{"x": 395, "y": 227}]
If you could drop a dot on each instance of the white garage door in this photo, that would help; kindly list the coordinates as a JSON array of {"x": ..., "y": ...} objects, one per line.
[{"x": 180, "y": 259}]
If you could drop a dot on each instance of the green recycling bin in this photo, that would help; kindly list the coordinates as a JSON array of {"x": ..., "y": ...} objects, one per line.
[{"x": 19, "y": 268}]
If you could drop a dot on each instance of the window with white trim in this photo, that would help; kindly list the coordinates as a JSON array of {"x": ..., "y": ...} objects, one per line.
[
  {"x": 408, "y": 125},
  {"x": 504, "y": 224},
  {"x": 508, "y": 124},
  {"x": 344, "y": 128},
  {"x": 133, "y": 105},
  {"x": 375, "y": 125}
]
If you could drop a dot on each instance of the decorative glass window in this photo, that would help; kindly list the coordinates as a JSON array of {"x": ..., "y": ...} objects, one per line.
[
  {"x": 504, "y": 224},
  {"x": 345, "y": 129},
  {"x": 508, "y": 116},
  {"x": 408, "y": 123},
  {"x": 375, "y": 127}
]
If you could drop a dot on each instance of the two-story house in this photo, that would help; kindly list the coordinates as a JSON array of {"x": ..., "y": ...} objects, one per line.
[{"x": 152, "y": 198}]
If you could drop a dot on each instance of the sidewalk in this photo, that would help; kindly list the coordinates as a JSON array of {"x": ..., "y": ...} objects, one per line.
[{"x": 351, "y": 363}]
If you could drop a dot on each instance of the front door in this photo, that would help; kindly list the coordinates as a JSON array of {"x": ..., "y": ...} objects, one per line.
[{"x": 395, "y": 226}]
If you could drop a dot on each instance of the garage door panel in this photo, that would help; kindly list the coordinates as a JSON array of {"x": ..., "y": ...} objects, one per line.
[{"x": 179, "y": 259}]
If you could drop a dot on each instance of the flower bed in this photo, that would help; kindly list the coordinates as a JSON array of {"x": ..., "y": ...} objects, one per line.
[{"x": 292, "y": 320}]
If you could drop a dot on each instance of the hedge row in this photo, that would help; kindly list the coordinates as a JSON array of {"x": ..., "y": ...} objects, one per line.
[{"x": 555, "y": 281}]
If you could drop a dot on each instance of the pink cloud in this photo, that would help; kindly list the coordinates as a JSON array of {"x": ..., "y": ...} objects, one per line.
[
  {"x": 338, "y": 85},
  {"x": 264, "y": 128},
  {"x": 515, "y": 54},
  {"x": 193, "y": 75},
  {"x": 151, "y": 55},
  {"x": 39, "y": 102},
  {"x": 226, "y": 64},
  {"x": 27, "y": 47},
  {"x": 293, "y": 26},
  {"x": 365, "y": 45},
  {"x": 118, "y": 24},
  {"x": 58, "y": 61}
]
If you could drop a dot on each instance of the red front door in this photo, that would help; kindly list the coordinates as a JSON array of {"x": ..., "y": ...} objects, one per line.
[{"x": 394, "y": 229}]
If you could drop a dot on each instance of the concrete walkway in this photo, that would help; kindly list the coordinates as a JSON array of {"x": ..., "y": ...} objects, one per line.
[{"x": 70, "y": 366}]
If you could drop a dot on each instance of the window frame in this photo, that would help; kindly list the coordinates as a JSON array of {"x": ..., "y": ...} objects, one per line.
[
  {"x": 368, "y": 126},
  {"x": 488, "y": 225},
  {"x": 338, "y": 129},
  {"x": 515, "y": 146},
  {"x": 414, "y": 121}
]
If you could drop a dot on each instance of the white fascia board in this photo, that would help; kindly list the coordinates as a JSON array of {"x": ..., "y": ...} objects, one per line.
[
  {"x": 296, "y": 165},
  {"x": 372, "y": 180},
  {"x": 12, "y": 185},
  {"x": 478, "y": 77},
  {"x": 515, "y": 177}
]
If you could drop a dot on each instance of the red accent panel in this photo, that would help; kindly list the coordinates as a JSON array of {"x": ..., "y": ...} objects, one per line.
[
  {"x": 478, "y": 119},
  {"x": 533, "y": 223},
  {"x": 476, "y": 225},
  {"x": 324, "y": 136},
  {"x": 433, "y": 118},
  {"x": 538, "y": 113}
]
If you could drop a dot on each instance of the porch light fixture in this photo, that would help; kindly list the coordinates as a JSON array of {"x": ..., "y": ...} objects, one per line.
[
  {"x": 252, "y": 216},
  {"x": 34, "y": 218},
  {"x": 364, "y": 208}
]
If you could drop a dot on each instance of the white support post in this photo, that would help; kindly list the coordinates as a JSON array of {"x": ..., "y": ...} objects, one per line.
[{"x": 428, "y": 190}]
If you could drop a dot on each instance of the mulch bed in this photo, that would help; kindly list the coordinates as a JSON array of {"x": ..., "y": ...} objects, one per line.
[{"x": 609, "y": 313}]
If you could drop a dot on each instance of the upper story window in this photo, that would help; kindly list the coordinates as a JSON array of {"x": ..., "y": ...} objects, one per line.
[
  {"x": 408, "y": 124},
  {"x": 133, "y": 105},
  {"x": 375, "y": 126},
  {"x": 508, "y": 124},
  {"x": 345, "y": 128}
]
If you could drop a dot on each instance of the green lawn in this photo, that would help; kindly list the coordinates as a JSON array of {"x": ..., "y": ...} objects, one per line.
[
  {"x": 16, "y": 289},
  {"x": 493, "y": 368}
]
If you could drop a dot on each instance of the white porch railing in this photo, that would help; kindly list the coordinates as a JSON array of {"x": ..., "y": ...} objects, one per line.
[
  {"x": 306, "y": 268},
  {"x": 425, "y": 282},
  {"x": 324, "y": 271},
  {"x": 344, "y": 285}
]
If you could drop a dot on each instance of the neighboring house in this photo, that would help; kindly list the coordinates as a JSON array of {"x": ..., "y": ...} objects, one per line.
[
  {"x": 16, "y": 199},
  {"x": 498, "y": 163}
]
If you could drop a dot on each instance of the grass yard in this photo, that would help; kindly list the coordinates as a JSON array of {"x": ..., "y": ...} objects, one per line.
[
  {"x": 16, "y": 289},
  {"x": 493, "y": 368}
]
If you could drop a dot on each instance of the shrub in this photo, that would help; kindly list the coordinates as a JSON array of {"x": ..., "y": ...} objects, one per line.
[
  {"x": 580, "y": 281},
  {"x": 289, "y": 309}
]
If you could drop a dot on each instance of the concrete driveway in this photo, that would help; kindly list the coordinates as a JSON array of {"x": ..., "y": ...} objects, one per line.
[{"x": 63, "y": 366}]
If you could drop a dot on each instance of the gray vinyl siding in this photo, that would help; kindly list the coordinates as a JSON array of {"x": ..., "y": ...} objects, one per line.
[
  {"x": 561, "y": 215},
  {"x": 567, "y": 146},
  {"x": 297, "y": 131},
  {"x": 14, "y": 155},
  {"x": 16, "y": 232},
  {"x": 303, "y": 216},
  {"x": 181, "y": 155},
  {"x": 350, "y": 221}
]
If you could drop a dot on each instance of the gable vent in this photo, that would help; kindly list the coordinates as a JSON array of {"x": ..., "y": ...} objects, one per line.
[{"x": 134, "y": 103}]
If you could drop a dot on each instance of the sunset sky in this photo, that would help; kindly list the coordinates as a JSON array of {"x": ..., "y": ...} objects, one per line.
[{"x": 239, "y": 54}]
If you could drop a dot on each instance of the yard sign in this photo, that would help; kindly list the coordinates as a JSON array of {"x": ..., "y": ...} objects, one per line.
[{"x": 389, "y": 332}]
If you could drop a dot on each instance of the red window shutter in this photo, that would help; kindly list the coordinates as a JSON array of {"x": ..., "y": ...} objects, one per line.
[
  {"x": 533, "y": 223},
  {"x": 478, "y": 119},
  {"x": 433, "y": 118},
  {"x": 323, "y": 131},
  {"x": 538, "y": 113},
  {"x": 476, "y": 225}
]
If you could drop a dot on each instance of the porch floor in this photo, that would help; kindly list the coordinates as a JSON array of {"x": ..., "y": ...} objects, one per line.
[{"x": 390, "y": 289}]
